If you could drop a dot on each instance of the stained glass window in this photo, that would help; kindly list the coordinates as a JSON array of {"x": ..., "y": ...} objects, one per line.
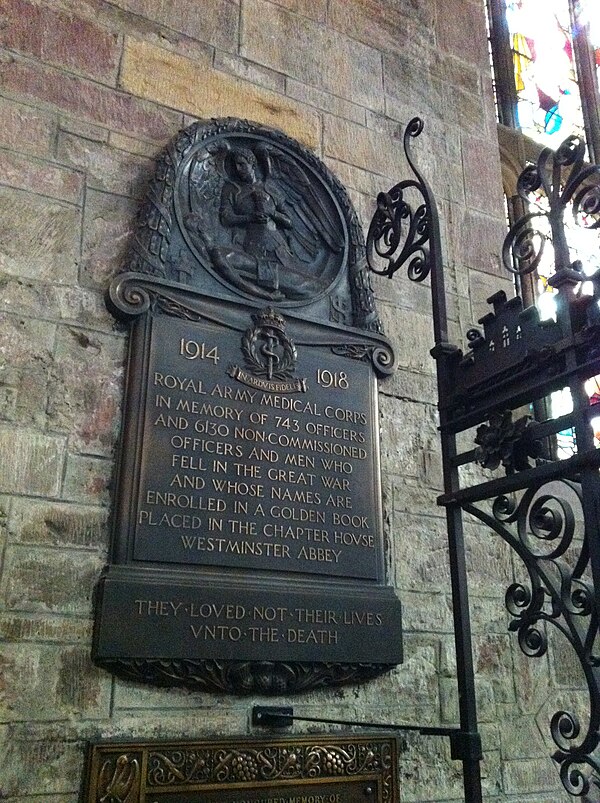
[
  {"x": 561, "y": 403},
  {"x": 548, "y": 98},
  {"x": 546, "y": 66}
]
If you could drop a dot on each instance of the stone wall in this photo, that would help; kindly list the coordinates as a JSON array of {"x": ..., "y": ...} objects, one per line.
[{"x": 90, "y": 91}]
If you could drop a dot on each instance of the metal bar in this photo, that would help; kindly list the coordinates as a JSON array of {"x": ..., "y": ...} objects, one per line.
[
  {"x": 465, "y": 742},
  {"x": 524, "y": 479},
  {"x": 265, "y": 716},
  {"x": 470, "y": 752},
  {"x": 461, "y": 744},
  {"x": 538, "y": 430},
  {"x": 502, "y": 63},
  {"x": 462, "y": 629},
  {"x": 590, "y": 478},
  {"x": 588, "y": 86}
]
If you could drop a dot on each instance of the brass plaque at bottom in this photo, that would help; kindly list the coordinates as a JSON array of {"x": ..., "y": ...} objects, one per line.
[{"x": 320, "y": 768}]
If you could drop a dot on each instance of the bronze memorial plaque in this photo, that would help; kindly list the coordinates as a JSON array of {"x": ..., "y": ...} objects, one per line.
[
  {"x": 304, "y": 769},
  {"x": 248, "y": 541}
]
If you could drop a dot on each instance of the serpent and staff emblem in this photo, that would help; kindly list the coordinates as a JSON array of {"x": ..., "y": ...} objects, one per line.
[
  {"x": 267, "y": 350},
  {"x": 269, "y": 354}
]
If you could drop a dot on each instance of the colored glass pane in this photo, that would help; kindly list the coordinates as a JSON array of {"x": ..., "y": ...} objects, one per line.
[
  {"x": 561, "y": 404},
  {"x": 549, "y": 104}
]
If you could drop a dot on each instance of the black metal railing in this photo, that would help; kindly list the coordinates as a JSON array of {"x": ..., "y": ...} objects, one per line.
[{"x": 546, "y": 510}]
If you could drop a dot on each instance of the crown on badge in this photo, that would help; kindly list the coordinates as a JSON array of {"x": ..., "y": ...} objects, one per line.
[{"x": 269, "y": 318}]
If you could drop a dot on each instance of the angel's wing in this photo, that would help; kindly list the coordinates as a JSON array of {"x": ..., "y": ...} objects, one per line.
[
  {"x": 206, "y": 177},
  {"x": 313, "y": 224}
]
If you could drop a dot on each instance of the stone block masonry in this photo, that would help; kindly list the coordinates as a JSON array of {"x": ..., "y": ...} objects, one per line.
[{"x": 90, "y": 91}]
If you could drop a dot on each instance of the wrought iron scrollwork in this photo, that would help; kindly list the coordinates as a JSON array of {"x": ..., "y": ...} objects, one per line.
[
  {"x": 517, "y": 360},
  {"x": 564, "y": 179},
  {"x": 400, "y": 232},
  {"x": 524, "y": 246},
  {"x": 541, "y": 527}
]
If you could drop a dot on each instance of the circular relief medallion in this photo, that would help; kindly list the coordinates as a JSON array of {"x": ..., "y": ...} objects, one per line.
[{"x": 260, "y": 213}]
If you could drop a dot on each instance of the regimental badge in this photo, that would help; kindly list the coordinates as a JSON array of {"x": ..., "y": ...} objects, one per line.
[{"x": 270, "y": 356}]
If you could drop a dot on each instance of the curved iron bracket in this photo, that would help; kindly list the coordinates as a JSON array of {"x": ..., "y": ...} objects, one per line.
[
  {"x": 404, "y": 232},
  {"x": 541, "y": 527}
]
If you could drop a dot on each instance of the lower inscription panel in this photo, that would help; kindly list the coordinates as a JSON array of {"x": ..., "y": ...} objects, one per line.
[
  {"x": 237, "y": 619},
  {"x": 307, "y": 769}
]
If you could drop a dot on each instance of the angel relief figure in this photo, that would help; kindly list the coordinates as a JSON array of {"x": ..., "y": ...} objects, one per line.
[{"x": 254, "y": 238}]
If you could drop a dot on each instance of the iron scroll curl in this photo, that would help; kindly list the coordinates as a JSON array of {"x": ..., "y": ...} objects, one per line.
[
  {"x": 540, "y": 528},
  {"x": 401, "y": 232},
  {"x": 563, "y": 178}
]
